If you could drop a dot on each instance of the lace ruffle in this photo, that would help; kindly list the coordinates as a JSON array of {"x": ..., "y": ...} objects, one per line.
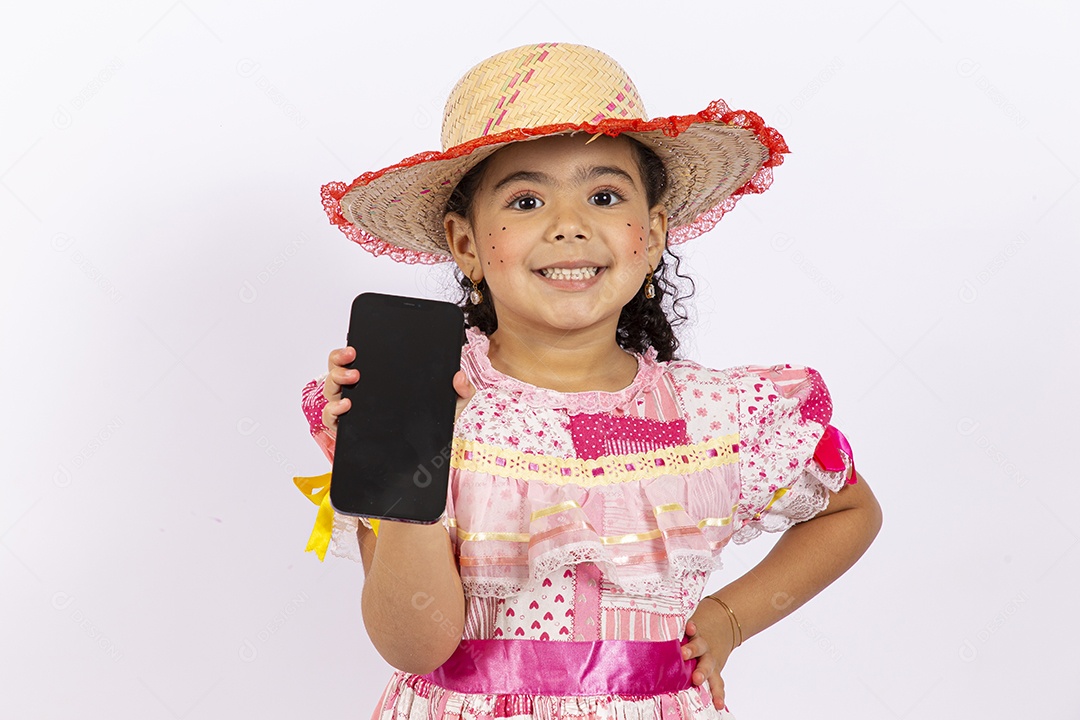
[
  {"x": 804, "y": 499},
  {"x": 344, "y": 542},
  {"x": 594, "y": 401},
  {"x": 642, "y": 534}
]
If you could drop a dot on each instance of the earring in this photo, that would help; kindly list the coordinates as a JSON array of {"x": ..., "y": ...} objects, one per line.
[
  {"x": 650, "y": 291},
  {"x": 475, "y": 296}
]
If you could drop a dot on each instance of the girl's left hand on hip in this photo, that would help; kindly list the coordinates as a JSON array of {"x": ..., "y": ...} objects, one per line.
[{"x": 710, "y": 643}]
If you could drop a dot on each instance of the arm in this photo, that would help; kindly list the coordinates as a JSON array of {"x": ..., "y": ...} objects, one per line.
[
  {"x": 809, "y": 556},
  {"x": 413, "y": 603}
]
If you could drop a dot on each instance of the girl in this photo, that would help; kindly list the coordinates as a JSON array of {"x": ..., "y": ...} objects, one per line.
[{"x": 595, "y": 478}]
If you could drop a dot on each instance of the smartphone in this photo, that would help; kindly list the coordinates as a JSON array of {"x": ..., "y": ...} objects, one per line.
[{"x": 392, "y": 459}]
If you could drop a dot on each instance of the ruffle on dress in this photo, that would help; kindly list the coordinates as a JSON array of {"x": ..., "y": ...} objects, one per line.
[
  {"x": 790, "y": 456},
  {"x": 475, "y": 362},
  {"x": 647, "y": 520}
]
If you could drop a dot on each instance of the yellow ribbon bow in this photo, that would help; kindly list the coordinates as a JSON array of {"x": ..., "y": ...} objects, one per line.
[{"x": 317, "y": 489}]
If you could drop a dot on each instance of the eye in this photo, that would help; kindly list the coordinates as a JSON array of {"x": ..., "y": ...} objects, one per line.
[
  {"x": 526, "y": 202},
  {"x": 605, "y": 198}
]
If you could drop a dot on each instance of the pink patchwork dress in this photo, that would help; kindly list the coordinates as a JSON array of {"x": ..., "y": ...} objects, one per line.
[{"x": 586, "y": 526}]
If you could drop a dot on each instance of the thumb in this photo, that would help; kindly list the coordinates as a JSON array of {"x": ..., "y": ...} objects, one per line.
[{"x": 464, "y": 389}]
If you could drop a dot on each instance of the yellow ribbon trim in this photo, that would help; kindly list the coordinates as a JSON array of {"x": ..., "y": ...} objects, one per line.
[
  {"x": 464, "y": 535},
  {"x": 564, "y": 505},
  {"x": 317, "y": 489},
  {"x": 776, "y": 496}
]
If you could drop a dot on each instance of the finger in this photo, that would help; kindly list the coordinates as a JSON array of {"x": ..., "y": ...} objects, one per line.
[
  {"x": 332, "y": 410},
  {"x": 695, "y": 648},
  {"x": 338, "y": 374},
  {"x": 341, "y": 356},
  {"x": 705, "y": 667},
  {"x": 330, "y": 384},
  {"x": 716, "y": 685}
]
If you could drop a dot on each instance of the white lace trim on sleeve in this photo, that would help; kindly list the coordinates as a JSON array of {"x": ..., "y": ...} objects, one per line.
[
  {"x": 806, "y": 497},
  {"x": 343, "y": 540}
]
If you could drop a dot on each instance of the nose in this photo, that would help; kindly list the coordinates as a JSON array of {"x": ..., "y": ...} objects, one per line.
[{"x": 568, "y": 222}]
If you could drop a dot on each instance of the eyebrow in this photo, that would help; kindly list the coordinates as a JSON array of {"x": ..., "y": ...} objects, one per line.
[{"x": 582, "y": 175}]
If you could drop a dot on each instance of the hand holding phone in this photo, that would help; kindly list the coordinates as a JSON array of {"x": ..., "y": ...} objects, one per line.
[
  {"x": 340, "y": 374},
  {"x": 392, "y": 453}
]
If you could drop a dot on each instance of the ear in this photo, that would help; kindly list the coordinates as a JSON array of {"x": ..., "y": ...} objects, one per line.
[
  {"x": 459, "y": 238},
  {"x": 658, "y": 223}
]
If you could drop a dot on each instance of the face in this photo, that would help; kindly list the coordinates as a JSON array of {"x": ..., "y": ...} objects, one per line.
[{"x": 562, "y": 231}]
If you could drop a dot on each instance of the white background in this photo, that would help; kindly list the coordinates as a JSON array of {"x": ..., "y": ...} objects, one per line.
[{"x": 169, "y": 283}]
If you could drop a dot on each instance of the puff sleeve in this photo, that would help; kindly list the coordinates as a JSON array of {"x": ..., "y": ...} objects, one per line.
[
  {"x": 343, "y": 540},
  {"x": 790, "y": 457},
  {"x": 313, "y": 401}
]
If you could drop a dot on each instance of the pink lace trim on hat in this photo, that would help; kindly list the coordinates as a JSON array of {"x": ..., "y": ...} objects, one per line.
[{"x": 672, "y": 126}]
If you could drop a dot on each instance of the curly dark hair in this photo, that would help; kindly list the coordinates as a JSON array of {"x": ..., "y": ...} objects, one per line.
[{"x": 643, "y": 322}]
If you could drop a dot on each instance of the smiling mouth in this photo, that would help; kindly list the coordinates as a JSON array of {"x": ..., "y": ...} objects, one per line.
[{"x": 583, "y": 273}]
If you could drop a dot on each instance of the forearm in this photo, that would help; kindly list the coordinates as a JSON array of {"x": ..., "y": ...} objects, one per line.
[
  {"x": 808, "y": 557},
  {"x": 413, "y": 603}
]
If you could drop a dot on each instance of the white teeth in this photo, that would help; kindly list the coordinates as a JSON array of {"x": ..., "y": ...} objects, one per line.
[{"x": 569, "y": 273}]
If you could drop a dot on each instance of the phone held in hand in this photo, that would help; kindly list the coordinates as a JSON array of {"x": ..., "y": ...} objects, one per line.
[{"x": 392, "y": 459}]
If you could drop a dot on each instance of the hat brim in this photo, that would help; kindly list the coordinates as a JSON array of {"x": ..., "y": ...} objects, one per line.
[{"x": 713, "y": 158}]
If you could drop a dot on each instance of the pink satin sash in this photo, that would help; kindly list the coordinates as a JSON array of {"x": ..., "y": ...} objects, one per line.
[{"x": 564, "y": 667}]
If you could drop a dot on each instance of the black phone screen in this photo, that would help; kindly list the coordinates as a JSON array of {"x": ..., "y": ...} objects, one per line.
[{"x": 392, "y": 456}]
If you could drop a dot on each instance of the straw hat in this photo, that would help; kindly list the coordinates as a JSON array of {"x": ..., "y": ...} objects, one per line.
[{"x": 712, "y": 158}]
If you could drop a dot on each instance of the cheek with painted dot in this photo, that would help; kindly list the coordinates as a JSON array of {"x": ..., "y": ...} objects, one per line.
[{"x": 495, "y": 253}]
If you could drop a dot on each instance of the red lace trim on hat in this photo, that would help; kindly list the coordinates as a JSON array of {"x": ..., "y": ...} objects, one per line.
[{"x": 671, "y": 126}]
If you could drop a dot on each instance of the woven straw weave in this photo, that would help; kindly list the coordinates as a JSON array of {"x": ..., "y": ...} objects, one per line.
[{"x": 538, "y": 90}]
